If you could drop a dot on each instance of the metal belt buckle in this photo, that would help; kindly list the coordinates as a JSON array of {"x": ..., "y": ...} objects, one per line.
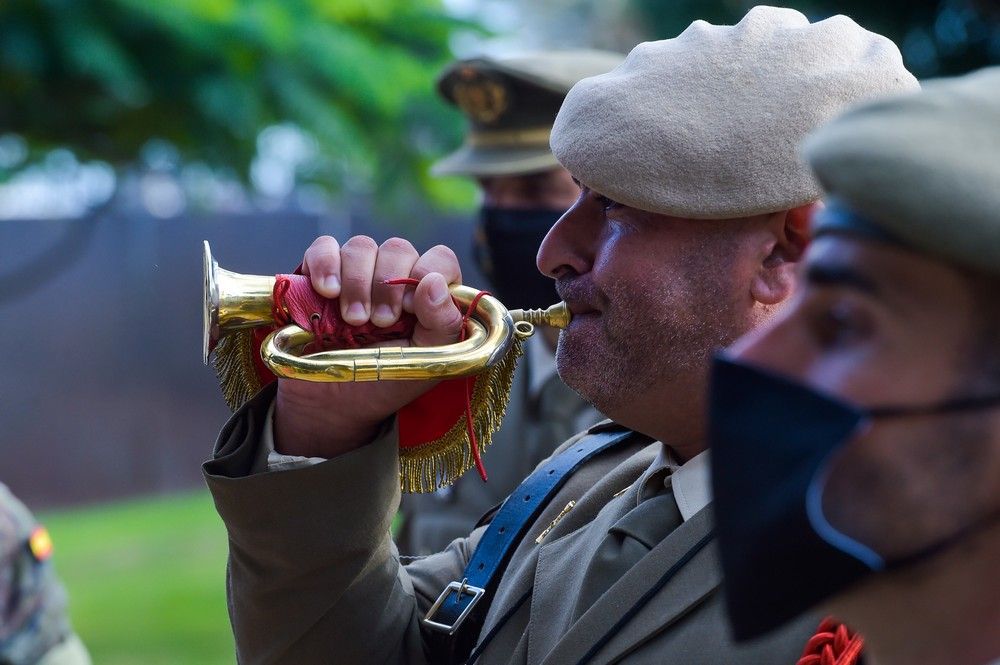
[{"x": 460, "y": 588}]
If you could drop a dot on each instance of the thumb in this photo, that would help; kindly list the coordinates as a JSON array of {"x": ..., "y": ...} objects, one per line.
[{"x": 439, "y": 320}]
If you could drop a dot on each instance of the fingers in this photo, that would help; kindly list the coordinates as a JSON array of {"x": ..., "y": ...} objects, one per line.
[
  {"x": 438, "y": 318},
  {"x": 322, "y": 263},
  {"x": 396, "y": 258},
  {"x": 355, "y": 273},
  {"x": 439, "y": 259},
  {"x": 357, "y": 267}
]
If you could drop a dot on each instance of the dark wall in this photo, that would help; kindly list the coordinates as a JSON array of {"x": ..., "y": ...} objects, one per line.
[{"x": 103, "y": 393}]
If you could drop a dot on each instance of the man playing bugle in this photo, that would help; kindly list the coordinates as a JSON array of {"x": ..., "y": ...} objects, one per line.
[{"x": 689, "y": 223}]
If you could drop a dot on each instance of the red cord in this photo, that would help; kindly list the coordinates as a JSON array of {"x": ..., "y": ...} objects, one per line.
[
  {"x": 469, "y": 428},
  {"x": 468, "y": 389},
  {"x": 833, "y": 644},
  {"x": 278, "y": 312}
]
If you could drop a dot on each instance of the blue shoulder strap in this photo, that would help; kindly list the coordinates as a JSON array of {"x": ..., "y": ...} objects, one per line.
[{"x": 454, "y": 607}]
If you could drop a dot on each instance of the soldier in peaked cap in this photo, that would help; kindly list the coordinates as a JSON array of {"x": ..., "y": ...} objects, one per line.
[
  {"x": 891, "y": 360},
  {"x": 34, "y": 627},
  {"x": 688, "y": 224},
  {"x": 510, "y": 104}
]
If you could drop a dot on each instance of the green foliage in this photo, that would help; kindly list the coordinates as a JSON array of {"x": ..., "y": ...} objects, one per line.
[
  {"x": 937, "y": 37},
  {"x": 104, "y": 76}
]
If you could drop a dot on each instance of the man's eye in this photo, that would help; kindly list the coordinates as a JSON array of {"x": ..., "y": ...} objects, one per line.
[
  {"x": 841, "y": 324},
  {"x": 606, "y": 203}
]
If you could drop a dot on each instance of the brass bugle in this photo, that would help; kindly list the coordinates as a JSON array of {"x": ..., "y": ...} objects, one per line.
[{"x": 235, "y": 301}]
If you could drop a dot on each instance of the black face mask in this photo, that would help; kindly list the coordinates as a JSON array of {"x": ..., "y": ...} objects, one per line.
[
  {"x": 512, "y": 238},
  {"x": 772, "y": 440}
]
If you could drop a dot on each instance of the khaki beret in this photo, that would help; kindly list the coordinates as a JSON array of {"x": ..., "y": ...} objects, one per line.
[
  {"x": 510, "y": 103},
  {"x": 708, "y": 124},
  {"x": 924, "y": 167}
]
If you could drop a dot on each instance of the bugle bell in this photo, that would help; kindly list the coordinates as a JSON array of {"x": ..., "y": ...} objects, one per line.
[{"x": 233, "y": 302}]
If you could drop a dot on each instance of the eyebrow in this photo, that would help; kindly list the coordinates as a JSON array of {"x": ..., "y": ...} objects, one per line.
[{"x": 820, "y": 274}]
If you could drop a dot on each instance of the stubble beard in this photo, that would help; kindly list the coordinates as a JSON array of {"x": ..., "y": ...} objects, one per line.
[
  {"x": 649, "y": 337},
  {"x": 929, "y": 481}
]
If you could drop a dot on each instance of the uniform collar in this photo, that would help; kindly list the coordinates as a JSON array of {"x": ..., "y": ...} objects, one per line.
[{"x": 690, "y": 481}]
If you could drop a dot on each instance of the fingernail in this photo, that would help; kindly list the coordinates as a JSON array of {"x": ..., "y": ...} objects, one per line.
[
  {"x": 331, "y": 284},
  {"x": 382, "y": 315},
  {"x": 437, "y": 291},
  {"x": 356, "y": 312},
  {"x": 408, "y": 301}
]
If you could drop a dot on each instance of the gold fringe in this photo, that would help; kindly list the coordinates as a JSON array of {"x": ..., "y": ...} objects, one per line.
[
  {"x": 439, "y": 463},
  {"x": 235, "y": 368},
  {"x": 426, "y": 468}
]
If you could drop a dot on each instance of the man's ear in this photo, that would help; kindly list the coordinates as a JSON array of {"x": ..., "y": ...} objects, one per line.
[{"x": 775, "y": 278}]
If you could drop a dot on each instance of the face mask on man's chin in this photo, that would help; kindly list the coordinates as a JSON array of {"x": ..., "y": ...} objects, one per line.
[
  {"x": 774, "y": 442},
  {"x": 511, "y": 238}
]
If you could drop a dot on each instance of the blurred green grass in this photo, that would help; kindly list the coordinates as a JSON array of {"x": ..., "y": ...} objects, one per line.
[{"x": 146, "y": 580}]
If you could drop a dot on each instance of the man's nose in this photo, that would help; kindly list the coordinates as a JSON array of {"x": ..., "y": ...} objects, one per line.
[{"x": 568, "y": 247}]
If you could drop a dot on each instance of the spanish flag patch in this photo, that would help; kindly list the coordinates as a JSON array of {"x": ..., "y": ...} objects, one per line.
[{"x": 40, "y": 543}]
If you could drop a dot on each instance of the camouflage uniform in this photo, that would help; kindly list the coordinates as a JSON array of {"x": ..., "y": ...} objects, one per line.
[{"x": 34, "y": 626}]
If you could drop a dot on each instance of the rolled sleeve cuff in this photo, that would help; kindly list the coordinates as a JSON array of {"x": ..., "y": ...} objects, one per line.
[{"x": 269, "y": 459}]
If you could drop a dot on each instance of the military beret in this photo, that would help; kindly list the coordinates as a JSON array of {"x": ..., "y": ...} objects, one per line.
[
  {"x": 922, "y": 167},
  {"x": 708, "y": 124},
  {"x": 510, "y": 103}
]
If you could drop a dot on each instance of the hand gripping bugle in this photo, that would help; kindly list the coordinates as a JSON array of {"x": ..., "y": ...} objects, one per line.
[
  {"x": 433, "y": 452},
  {"x": 235, "y": 302}
]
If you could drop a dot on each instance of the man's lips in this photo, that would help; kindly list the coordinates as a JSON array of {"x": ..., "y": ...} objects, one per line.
[
  {"x": 579, "y": 295},
  {"x": 579, "y": 309}
]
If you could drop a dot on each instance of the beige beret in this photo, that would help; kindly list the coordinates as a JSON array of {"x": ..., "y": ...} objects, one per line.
[
  {"x": 925, "y": 167},
  {"x": 707, "y": 125}
]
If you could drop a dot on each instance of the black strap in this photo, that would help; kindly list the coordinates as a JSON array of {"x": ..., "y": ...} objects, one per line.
[{"x": 486, "y": 566}]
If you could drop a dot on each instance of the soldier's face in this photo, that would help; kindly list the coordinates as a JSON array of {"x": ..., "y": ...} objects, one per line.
[
  {"x": 883, "y": 326},
  {"x": 553, "y": 189},
  {"x": 652, "y": 297}
]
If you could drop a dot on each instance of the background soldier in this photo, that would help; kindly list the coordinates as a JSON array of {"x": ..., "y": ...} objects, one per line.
[
  {"x": 691, "y": 218},
  {"x": 510, "y": 104},
  {"x": 34, "y": 626},
  {"x": 886, "y": 389}
]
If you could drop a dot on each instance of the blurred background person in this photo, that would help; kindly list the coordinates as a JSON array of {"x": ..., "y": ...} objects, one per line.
[
  {"x": 34, "y": 626},
  {"x": 856, "y": 454},
  {"x": 130, "y": 132},
  {"x": 510, "y": 104}
]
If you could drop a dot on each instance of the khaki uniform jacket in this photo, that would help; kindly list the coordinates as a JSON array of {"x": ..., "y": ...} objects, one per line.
[
  {"x": 537, "y": 421},
  {"x": 314, "y": 576}
]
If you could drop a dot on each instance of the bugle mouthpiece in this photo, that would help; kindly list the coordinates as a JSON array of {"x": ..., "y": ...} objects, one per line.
[{"x": 555, "y": 316}]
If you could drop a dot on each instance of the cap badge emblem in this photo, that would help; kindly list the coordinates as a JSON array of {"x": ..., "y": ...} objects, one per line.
[{"x": 481, "y": 99}]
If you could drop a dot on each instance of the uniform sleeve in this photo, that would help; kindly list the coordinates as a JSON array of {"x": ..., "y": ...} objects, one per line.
[{"x": 313, "y": 574}]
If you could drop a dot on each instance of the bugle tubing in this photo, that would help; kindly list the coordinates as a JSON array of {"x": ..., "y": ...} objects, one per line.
[{"x": 234, "y": 301}]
